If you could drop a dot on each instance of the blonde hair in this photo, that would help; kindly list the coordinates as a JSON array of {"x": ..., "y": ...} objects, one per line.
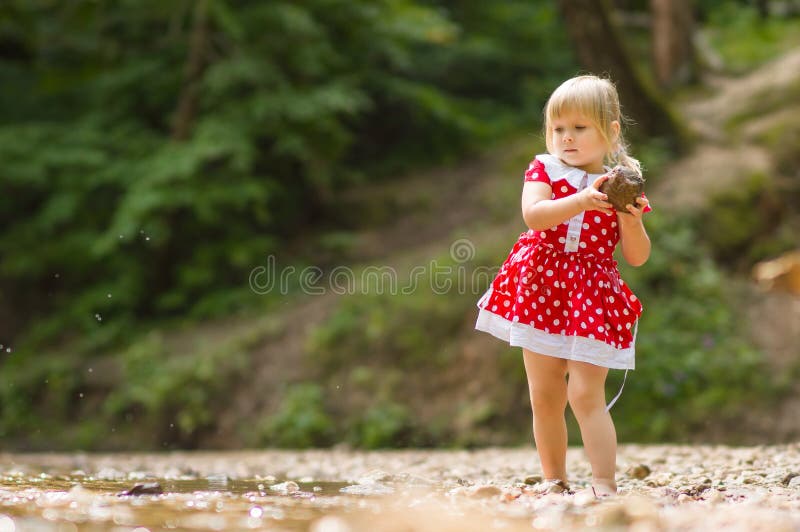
[{"x": 596, "y": 99}]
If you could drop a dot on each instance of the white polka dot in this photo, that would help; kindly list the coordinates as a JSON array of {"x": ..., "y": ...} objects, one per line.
[
  {"x": 543, "y": 234},
  {"x": 591, "y": 336},
  {"x": 571, "y": 275},
  {"x": 539, "y": 269},
  {"x": 588, "y": 282},
  {"x": 564, "y": 189},
  {"x": 549, "y": 273},
  {"x": 583, "y": 325},
  {"x": 556, "y": 303},
  {"x": 562, "y": 240},
  {"x": 547, "y": 311},
  {"x": 627, "y": 325},
  {"x": 594, "y": 238},
  {"x": 611, "y": 300},
  {"x": 516, "y": 279},
  {"x": 494, "y": 307},
  {"x": 533, "y": 305},
  {"x": 633, "y": 297},
  {"x": 556, "y": 322},
  {"x": 625, "y": 311},
  {"x": 566, "y": 313},
  {"x": 613, "y": 224},
  {"x": 553, "y": 196},
  {"x": 591, "y": 319},
  {"x": 527, "y": 292},
  {"x": 554, "y": 228},
  {"x": 596, "y": 292},
  {"x": 588, "y": 301},
  {"x": 616, "y": 314},
  {"x": 520, "y": 299},
  {"x": 507, "y": 314},
  {"x": 506, "y": 303},
  {"x": 535, "y": 286},
  {"x": 539, "y": 317},
  {"x": 603, "y": 231},
  {"x": 601, "y": 329},
  {"x": 576, "y": 314},
  {"x": 601, "y": 249},
  {"x": 610, "y": 244},
  {"x": 516, "y": 318},
  {"x": 541, "y": 299},
  {"x": 526, "y": 311},
  {"x": 597, "y": 219},
  {"x": 599, "y": 311},
  {"x": 535, "y": 175},
  {"x": 585, "y": 226},
  {"x": 583, "y": 245}
]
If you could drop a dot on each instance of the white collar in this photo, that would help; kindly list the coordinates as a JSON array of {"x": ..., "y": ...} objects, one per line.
[{"x": 557, "y": 171}]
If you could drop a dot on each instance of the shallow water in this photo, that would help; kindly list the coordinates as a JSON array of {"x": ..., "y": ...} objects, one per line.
[{"x": 76, "y": 501}]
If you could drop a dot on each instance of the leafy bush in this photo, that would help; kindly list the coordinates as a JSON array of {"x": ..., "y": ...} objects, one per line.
[{"x": 301, "y": 420}]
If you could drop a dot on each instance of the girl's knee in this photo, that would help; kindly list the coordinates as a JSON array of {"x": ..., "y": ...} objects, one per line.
[
  {"x": 547, "y": 400},
  {"x": 585, "y": 401}
]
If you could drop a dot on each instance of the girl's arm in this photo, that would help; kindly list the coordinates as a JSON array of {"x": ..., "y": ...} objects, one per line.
[
  {"x": 540, "y": 212},
  {"x": 633, "y": 236}
]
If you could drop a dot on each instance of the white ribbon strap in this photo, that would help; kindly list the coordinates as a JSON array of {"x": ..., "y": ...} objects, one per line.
[
  {"x": 614, "y": 400},
  {"x": 575, "y": 224}
]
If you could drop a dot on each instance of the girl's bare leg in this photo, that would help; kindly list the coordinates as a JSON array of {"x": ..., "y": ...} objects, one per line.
[
  {"x": 547, "y": 385},
  {"x": 586, "y": 393}
]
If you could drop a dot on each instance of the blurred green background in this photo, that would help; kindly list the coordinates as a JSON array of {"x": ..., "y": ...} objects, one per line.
[{"x": 159, "y": 158}]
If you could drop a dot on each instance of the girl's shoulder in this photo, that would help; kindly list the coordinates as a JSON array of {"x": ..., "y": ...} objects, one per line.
[{"x": 553, "y": 170}]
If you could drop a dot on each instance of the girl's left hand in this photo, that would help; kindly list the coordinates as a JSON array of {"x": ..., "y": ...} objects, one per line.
[{"x": 638, "y": 209}]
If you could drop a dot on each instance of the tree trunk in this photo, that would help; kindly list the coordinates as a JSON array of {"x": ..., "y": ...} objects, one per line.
[
  {"x": 193, "y": 72},
  {"x": 599, "y": 49},
  {"x": 673, "y": 53}
]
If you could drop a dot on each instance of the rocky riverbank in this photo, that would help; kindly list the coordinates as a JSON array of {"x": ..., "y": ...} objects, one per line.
[{"x": 661, "y": 487}]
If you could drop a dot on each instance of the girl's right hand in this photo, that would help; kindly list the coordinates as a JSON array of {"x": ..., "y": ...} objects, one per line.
[{"x": 591, "y": 199}]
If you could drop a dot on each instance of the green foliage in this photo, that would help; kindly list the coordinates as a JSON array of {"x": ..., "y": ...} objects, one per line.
[
  {"x": 294, "y": 102},
  {"x": 301, "y": 421},
  {"x": 743, "y": 38},
  {"x": 383, "y": 425},
  {"x": 694, "y": 362},
  {"x": 740, "y": 223}
]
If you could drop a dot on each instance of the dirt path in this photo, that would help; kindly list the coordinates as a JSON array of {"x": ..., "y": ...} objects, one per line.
[
  {"x": 662, "y": 487},
  {"x": 722, "y": 159}
]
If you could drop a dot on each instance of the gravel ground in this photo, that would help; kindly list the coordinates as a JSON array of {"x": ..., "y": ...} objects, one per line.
[{"x": 662, "y": 487}]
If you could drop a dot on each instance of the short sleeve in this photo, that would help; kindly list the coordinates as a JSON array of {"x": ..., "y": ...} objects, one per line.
[
  {"x": 536, "y": 172},
  {"x": 647, "y": 208}
]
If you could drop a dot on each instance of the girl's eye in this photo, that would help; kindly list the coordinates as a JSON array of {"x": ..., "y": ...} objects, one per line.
[
  {"x": 559, "y": 130},
  {"x": 580, "y": 127}
]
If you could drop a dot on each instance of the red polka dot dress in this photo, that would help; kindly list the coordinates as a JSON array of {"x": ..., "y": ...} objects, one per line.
[{"x": 559, "y": 292}]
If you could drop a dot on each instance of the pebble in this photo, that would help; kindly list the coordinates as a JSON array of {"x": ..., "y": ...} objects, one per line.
[
  {"x": 287, "y": 487},
  {"x": 485, "y": 491},
  {"x": 639, "y": 472}
]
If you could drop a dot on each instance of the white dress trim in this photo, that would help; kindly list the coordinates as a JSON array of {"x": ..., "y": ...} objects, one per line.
[{"x": 568, "y": 347}]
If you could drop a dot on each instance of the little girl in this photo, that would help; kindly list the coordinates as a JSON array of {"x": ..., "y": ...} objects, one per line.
[{"x": 559, "y": 294}]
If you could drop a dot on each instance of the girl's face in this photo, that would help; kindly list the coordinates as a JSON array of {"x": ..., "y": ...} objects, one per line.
[{"x": 577, "y": 141}]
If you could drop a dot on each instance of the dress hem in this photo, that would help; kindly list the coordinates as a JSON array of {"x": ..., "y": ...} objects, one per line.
[{"x": 568, "y": 347}]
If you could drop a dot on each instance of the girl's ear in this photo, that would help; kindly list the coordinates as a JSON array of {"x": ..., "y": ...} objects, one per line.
[{"x": 615, "y": 131}]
